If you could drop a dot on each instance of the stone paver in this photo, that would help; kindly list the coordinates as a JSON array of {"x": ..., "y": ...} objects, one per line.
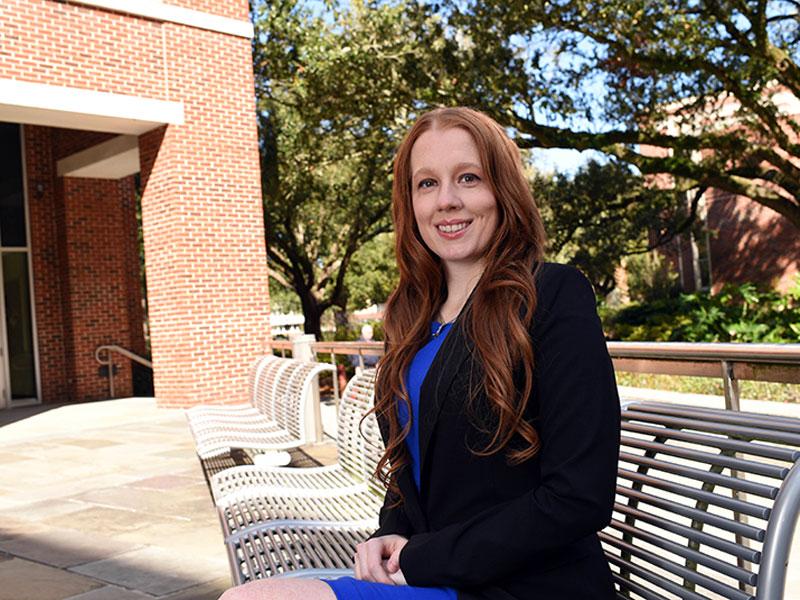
[
  {"x": 207, "y": 591},
  {"x": 25, "y": 580},
  {"x": 111, "y": 592},
  {"x": 63, "y": 547},
  {"x": 153, "y": 570},
  {"x": 110, "y": 501}
]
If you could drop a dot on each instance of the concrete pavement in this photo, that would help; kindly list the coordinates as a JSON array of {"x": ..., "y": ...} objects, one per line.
[{"x": 108, "y": 501}]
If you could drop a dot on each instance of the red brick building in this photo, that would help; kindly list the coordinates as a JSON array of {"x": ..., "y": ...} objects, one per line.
[
  {"x": 99, "y": 98},
  {"x": 735, "y": 240}
]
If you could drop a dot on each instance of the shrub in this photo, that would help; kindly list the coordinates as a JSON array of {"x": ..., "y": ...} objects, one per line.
[{"x": 736, "y": 314}]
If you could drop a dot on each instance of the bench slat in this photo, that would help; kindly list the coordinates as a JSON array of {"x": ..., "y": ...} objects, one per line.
[
  {"x": 733, "y": 483},
  {"x": 738, "y": 464},
  {"x": 735, "y": 527},
  {"x": 661, "y": 582},
  {"x": 747, "y": 508},
  {"x": 685, "y": 552},
  {"x": 676, "y": 569},
  {"x": 717, "y": 441},
  {"x": 742, "y": 431},
  {"x": 732, "y": 548}
]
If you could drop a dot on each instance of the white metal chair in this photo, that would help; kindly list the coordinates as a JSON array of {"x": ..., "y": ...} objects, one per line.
[
  {"x": 283, "y": 425},
  {"x": 352, "y": 473}
]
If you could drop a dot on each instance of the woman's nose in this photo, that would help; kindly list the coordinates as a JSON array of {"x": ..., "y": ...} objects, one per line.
[{"x": 448, "y": 197}]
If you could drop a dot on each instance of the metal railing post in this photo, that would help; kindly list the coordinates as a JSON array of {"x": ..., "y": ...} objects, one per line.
[{"x": 730, "y": 386}]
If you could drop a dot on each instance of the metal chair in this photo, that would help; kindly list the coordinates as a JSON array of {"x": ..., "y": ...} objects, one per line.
[{"x": 707, "y": 501}]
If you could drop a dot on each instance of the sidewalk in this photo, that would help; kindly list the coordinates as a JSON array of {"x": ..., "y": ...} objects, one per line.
[{"x": 107, "y": 501}]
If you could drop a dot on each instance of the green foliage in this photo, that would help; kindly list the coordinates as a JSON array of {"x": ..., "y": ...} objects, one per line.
[
  {"x": 690, "y": 89},
  {"x": 650, "y": 278},
  {"x": 602, "y": 214},
  {"x": 335, "y": 90},
  {"x": 735, "y": 314},
  {"x": 352, "y": 331},
  {"x": 281, "y": 298},
  {"x": 373, "y": 273}
]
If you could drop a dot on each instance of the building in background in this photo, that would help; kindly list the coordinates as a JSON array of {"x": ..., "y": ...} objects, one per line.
[
  {"x": 734, "y": 240},
  {"x": 100, "y": 101}
]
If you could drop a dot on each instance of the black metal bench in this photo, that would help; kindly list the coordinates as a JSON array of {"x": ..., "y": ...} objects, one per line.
[{"x": 707, "y": 502}]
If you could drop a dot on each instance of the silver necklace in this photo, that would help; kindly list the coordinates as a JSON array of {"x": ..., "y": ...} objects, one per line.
[{"x": 441, "y": 327}]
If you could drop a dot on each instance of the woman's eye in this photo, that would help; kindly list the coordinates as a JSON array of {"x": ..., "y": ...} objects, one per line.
[
  {"x": 469, "y": 178},
  {"x": 426, "y": 183}
]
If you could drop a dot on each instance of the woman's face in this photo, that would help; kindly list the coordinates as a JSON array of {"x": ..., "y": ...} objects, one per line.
[{"x": 454, "y": 206}]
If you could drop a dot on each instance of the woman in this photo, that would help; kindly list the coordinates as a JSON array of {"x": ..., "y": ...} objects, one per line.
[{"x": 505, "y": 470}]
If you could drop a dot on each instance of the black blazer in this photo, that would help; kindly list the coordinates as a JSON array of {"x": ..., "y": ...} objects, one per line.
[{"x": 495, "y": 531}]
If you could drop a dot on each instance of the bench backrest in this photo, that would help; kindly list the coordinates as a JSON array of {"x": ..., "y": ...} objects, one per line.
[
  {"x": 706, "y": 503},
  {"x": 268, "y": 380},
  {"x": 359, "y": 444},
  {"x": 256, "y": 373},
  {"x": 293, "y": 393}
]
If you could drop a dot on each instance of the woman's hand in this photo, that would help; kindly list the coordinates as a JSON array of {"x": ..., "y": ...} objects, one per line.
[
  {"x": 393, "y": 567},
  {"x": 378, "y": 560}
]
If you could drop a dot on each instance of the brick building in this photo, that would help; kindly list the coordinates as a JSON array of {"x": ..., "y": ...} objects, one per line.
[
  {"x": 734, "y": 240},
  {"x": 100, "y": 99}
]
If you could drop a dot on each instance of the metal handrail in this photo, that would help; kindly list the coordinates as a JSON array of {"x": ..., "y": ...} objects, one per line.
[
  {"x": 779, "y": 363},
  {"x": 713, "y": 351},
  {"x": 108, "y": 349},
  {"x": 732, "y": 362}
]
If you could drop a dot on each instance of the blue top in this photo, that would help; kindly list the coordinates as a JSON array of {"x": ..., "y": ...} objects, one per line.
[
  {"x": 414, "y": 378},
  {"x": 348, "y": 588}
]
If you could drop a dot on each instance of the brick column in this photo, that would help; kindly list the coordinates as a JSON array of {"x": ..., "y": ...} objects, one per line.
[{"x": 205, "y": 251}]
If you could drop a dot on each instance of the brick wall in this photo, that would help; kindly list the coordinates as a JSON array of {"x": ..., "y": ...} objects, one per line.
[
  {"x": 201, "y": 203},
  {"x": 203, "y": 226},
  {"x": 85, "y": 270},
  {"x": 750, "y": 242},
  {"x": 43, "y": 41},
  {"x": 45, "y": 213}
]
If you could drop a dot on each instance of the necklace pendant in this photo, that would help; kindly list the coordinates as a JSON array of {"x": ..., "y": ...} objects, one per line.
[{"x": 438, "y": 330}]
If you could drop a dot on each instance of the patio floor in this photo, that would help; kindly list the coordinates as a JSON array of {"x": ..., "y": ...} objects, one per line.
[{"x": 108, "y": 501}]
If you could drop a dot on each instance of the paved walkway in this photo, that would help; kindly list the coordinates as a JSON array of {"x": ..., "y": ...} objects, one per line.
[{"x": 107, "y": 501}]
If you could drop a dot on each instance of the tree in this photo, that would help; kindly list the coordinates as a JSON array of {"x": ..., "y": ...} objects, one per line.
[
  {"x": 696, "y": 89},
  {"x": 335, "y": 90},
  {"x": 373, "y": 273},
  {"x": 602, "y": 214}
]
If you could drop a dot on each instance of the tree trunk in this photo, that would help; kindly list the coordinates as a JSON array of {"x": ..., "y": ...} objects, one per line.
[{"x": 312, "y": 314}]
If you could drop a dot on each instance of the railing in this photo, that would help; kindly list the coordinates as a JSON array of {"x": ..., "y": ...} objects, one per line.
[
  {"x": 108, "y": 361},
  {"x": 777, "y": 363}
]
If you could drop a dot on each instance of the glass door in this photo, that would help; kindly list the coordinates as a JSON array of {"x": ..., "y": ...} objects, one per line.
[{"x": 18, "y": 380}]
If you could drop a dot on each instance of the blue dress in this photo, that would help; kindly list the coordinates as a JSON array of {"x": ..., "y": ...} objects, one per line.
[{"x": 349, "y": 588}]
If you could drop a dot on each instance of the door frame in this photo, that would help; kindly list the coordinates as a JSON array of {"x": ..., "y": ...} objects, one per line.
[{"x": 5, "y": 381}]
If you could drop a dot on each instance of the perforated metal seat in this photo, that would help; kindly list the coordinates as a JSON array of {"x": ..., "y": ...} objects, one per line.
[
  {"x": 295, "y": 548},
  {"x": 707, "y": 501},
  {"x": 357, "y": 457},
  {"x": 281, "y": 424},
  {"x": 261, "y": 414}
]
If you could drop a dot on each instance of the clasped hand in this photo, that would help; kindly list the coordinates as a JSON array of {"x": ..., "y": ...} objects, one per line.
[{"x": 378, "y": 560}]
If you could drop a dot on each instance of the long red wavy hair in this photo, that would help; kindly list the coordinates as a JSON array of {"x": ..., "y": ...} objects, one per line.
[{"x": 501, "y": 307}]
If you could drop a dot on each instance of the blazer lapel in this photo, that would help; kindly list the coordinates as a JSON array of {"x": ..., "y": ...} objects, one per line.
[{"x": 436, "y": 385}]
